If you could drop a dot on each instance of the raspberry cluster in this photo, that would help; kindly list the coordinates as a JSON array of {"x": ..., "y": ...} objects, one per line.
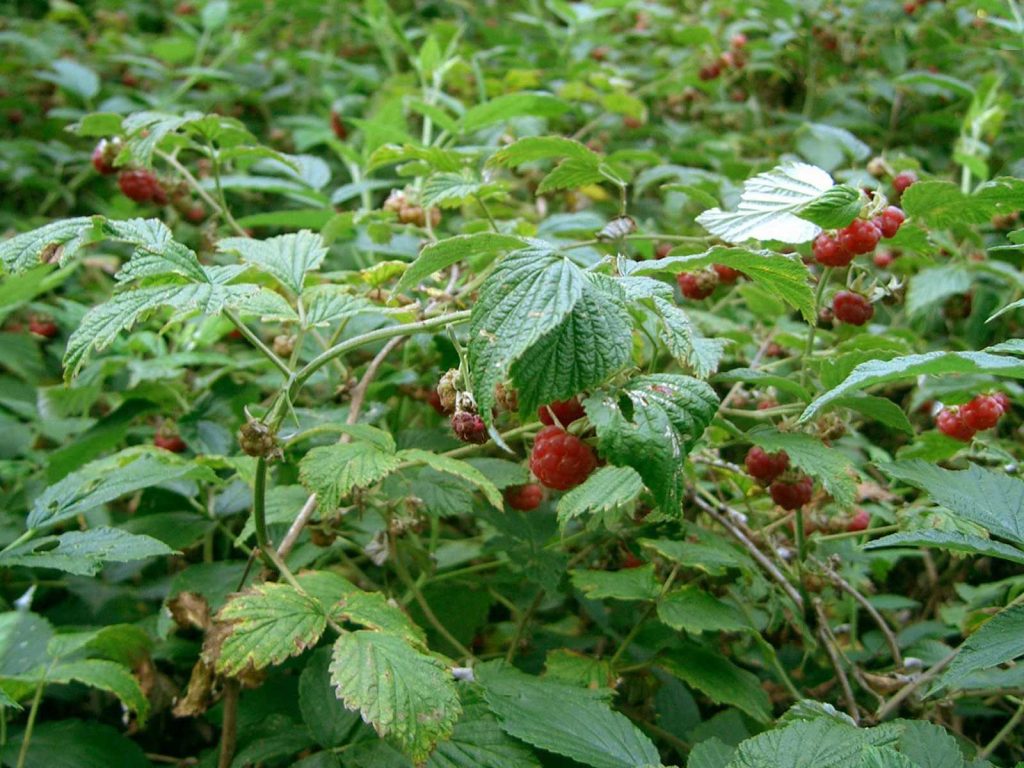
[
  {"x": 790, "y": 490},
  {"x": 142, "y": 186},
  {"x": 859, "y": 237},
  {"x": 980, "y": 413}
]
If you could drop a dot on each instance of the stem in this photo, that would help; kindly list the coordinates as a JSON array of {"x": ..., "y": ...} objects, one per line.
[
  {"x": 892, "y": 704},
  {"x": 257, "y": 342},
  {"x": 26, "y": 536},
  {"x": 521, "y": 626},
  {"x": 259, "y": 513},
  {"x": 848, "y": 588},
  {"x": 812, "y": 331},
  {"x": 1006, "y": 730},
  {"x": 487, "y": 213},
  {"x": 30, "y": 725},
  {"x": 828, "y": 640},
  {"x": 220, "y": 194},
  {"x": 229, "y": 729}
]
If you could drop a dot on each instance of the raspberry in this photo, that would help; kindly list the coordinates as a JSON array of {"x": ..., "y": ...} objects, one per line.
[
  {"x": 40, "y": 326},
  {"x": 861, "y": 236},
  {"x": 982, "y": 412},
  {"x": 1004, "y": 401},
  {"x": 890, "y": 220},
  {"x": 524, "y": 497},
  {"x": 196, "y": 214},
  {"x": 168, "y": 442},
  {"x": 560, "y": 460},
  {"x": 901, "y": 181},
  {"x": 469, "y": 427},
  {"x": 256, "y": 439},
  {"x": 338, "y": 126},
  {"x": 662, "y": 250},
  {"x": 951, "y": 423},
  {"x": 860, "y": 521},
  {"x": 794, "y": 494},
  {"x": 726, "y": 275},
  {"x": 852, "y": 308},
  {"x": 739, "y": 40},
  {"x": 141, "y": 186},
  {"x": 434, "y": 400},
  {"x": 448, "y": 388},
  {"x": 884, "y": 259},
  {"x": 710, "y": 72},
  {"x": 629, "y": 561},
  {"x": 828, "y": 251},
  {"x": 103, "y": 156},
  {"x": 564, "y": 411},
  {"x": 765, "y": 466},
  {"x": 697, "y": 285}
]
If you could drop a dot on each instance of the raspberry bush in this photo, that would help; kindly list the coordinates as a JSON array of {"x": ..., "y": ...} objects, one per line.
[{"x": 512, "y": 385}]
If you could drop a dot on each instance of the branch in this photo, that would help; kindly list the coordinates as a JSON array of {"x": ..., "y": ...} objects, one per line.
[
  {"x": 828, "y": 640},
  {"x": 845, "y": 586}
]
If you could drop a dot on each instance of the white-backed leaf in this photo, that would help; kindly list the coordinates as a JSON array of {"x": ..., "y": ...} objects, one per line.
[{"x": 286, "y": 257}]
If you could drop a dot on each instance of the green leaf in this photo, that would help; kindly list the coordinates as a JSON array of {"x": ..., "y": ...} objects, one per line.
[
  {"x": 686, "y": 343},
  {"x": 929, "y": 288},
  {"x": 84, "y": 552},
  {"x": 816, "y": 744},
  {"x": 879, "y": 409},
  {"x": 834, "y": 208},
  {"x": 110, "y": 478},
  {"x": 571, "y": 174},
  {"x": 827, "y": 465},
  {"x": 75, "y": 744},
  {"x": 651, "y": 424},
  {"x": 436, "y": 158},
  {"x": 23, "y": 641},
  {"x": 331, "y": 471},
  {"x": 769, "y": 205},
  {"x": 710, "y": 753},
  {"x": 763, "y": 380},
  {"x": 564, "y": 719},
  {"x": 928, "y": 745},
  {"x": 710, "y": 553},
  {"x": 997, "y": 641},
  {"x": 25, "y": 251},
  {"x": 326, "y": 717},
  {"x": 478, "y": 740},
  {"x": 885, "y": 757},
  {"x": 534, "y": 148},
  {"x": 504, "y": 108},
  {"x": 106, "y": 676},
  {"x": 626, "y": 584},
  {"x": 269, "y": 623},
  {"x": 453, "y": 190},
  {"x": 376, "y": 611},
  {"x": 501, "y": 472},
  {"x": 605, "y": 490},
  {"x": 286, "y": 257},
  {"x": 460, "y": 469},
  {"x": 940, "y": 204},
  {"x": 444, "y": 253},
  {"x": 401, "y": 692},
  {"x": 719, "y": 679},
  {"x": 910, "y": 366},
  {"x": 74, "y": 77},
  {"x": 327, "y": 305},
  {"x": 954, "y": 541},
  {"x": 692, "y": 609}
]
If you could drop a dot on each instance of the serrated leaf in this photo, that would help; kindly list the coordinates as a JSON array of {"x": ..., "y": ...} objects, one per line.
[
  {"x": 563, "y": 719},
  {"x": 571, "y": 173},
  {"x": 436, "y": 158},
  {"x": 452, "y": 190},
  {"x": 330, "y": 304},
  {"x": 878, "y": 408},
  {"x": 910, "y": 366},
  {"x": 84, "y": 552},
  {"x": 106, "y": 676},
  {"x": 940, "y": 204},
  {"x": 23, "y": 252},
  {"x": 954, "y": 541},
  {"x": 534, "y": 148},
  {"x": 376, "y": 611},
  {"x": 692, "y": 609},
  {"x": 286, "y": 257},
  {"x": 719, "y": 679},
  {"x": 401, "y": 692},
  {"x": 710, "y": 753},
  {"x": 606, "y": 489},
  {"x": 769, "y": 204},
  {"x": 834, "y": 208},
  {"x": 501, "y": 109},
  {"x": 269, "y": 623},
  {"x": 884, "y": 757},
  {"x": 710, "y": 553},
  {"x": 478, "y": 740},
  {"x": 814, "y": 744},
  {"x": 77, "y": 744},
  {"x": 827, "y": 465},
  {"x": 685, "y": 341},
  {"x": 929, "y": 288},
  {"x": 501, "y": 472},
  {"x": 331, "y": 471},
  {"x": 930, "y": 746},
  {"x": 444, "y": 253},
  {"x": 328, "y": 720},
  {"x": 651, "y": 424},
  {"x": 460, "y": 469},
  {"x": 997, "y": 641},
  {"x": 626, "y": 584}
]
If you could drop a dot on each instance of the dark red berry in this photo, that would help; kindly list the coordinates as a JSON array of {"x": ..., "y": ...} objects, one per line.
[
  {"x": 434, "y": 400},
  {"x": 338, "y": 126},
  {"x": 710, "y": 72},
  {"x": 982, "y": 412},
  {"x": 951, "y": 423},
  {"x": 169, "y": 442},
  {"x": 697, "y": 285},
  {"x": 828, "y": 251},
  {"x": 629, "y": 561},
  {"x": 860, "y": 236},
  {"x": 739, "y": 40},
  {"x": 883, "y": 259},
  {"x": 141, "y": 186},
  {"x": 901, "y": 181},
  {"x": 793, "y": 494},
  {"x": 524, "y": 497},
  {"x": 859, "y": 522},
  {"x": 890, "y": 220},
  {"x": 103, "y": 157},
  {"x": 560, "y": 460},
  {"x": 726, "y": 275},
  {"x": 469, "y": 427},
  {"x": 765, "y": 466},
  {"x": 852, "y": 308},
  {"x": 662, "y": 250},
  {"x": 41, "y": 326},
  {"x": 196, "y": 214},
  {"x": 565, "y": 411},
  {"x": 909, "y": 7}
]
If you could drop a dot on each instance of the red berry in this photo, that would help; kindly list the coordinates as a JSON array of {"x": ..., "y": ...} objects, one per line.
[
  {"x": 1004, "y": 401},
  {"x": 710, "y": 72},
  {"x": 765, "y": 466},
  {"x": 860, "y": 521},
  {"x": 884, "y": 259},
  {"x": 629, "y": 560},
  {"x": 890, "y": 220},
  {"x": 560, "y": 460},
  {"x": 469, "y": 427},
  {"x": 794, "y": 494},
  {"x": 172, "y": 443},
  {"x": 338, "y": 126},
  {"x": 726, "y": 275},
  {"x": 697, "y": 285},
  {"x": 861, "y": 236},
  {"x": 196, "y": 214},
  {"x": 951, "y": 423},
  {"x": 852, "y": 308},
  {"x": 434, "y": 400},
  {"x": 901, "y": 181},
  {"x": 982, "y": 412},
  {"x": 103, "y": 157},
  {"x": 739, "y": 40},
  {"x": 524, "y": 497},
  {"x": 662, "y": 250},
  {"x": 828, "y": 251},
  {"x": 42, "y": 327},
  {"x": 565, "y": 411},
  {"x": 141, "y": 186}
]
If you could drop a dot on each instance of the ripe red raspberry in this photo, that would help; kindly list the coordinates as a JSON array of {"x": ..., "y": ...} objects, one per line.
[
  {"x": 141, "y": 186},
  {"x": 41, "y": 326},
  {"x": 169, "y": 442},
  {"x": 196, "y": 214},
  {"x": 739, "y": 40},
  {"x": 103, "y": 157},
  {"x": 1004, "y": 401},
  {"x": 883, "y": 259},
  {"x": 852, "y": 308},
  {"x": 469, "y": 427},
  {"x": 951, "y": 423},
  {"x": 629, "y": 561},
  {"x": 890, "y": 220},
  {"x": 860, "y": 521},
  {"x": 901, "y": 181},
  {"x": 982, "y": 412},
  {"x": 710, "y": 72},
  {"x": 828, "y": 251},
  {"x": 861, "y": 236},
  {"x": 697, "y": 285},
  {"x": 726, "y": 275},
  {"x": 560, "y": 460},
  {"x": 765, "y": 466},
  {"x": 793, "y": 494},
  {"x": 338, "y": 126},
  {"x": 909, "y": 7},
  {"x": 524, "y": 497},
  {"x": 662, "y": 250},
  {"x": 565, "y": 411}
]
